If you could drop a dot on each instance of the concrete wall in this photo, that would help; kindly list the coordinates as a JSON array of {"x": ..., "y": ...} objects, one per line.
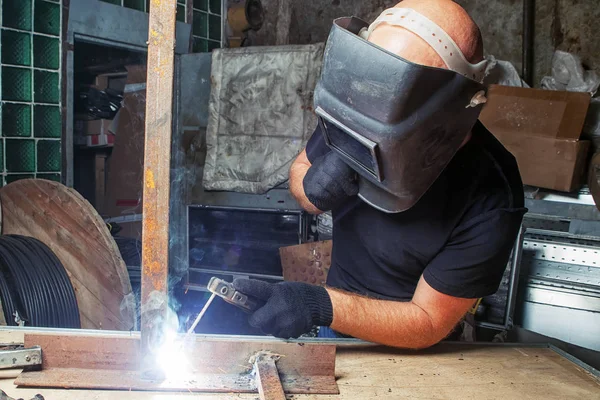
[{"x": 568, "y": 25}]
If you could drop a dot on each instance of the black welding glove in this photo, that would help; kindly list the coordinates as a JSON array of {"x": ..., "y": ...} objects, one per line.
[
  {"x": 291, "y": 308},
  {"x": 329, "y": 181}
]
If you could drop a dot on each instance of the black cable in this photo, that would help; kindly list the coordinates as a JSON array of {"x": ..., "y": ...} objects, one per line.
[
  {"x": 37, "y": 284},
  {"x": 61, "y": 280},
  {"x": 8, "y": 299}
]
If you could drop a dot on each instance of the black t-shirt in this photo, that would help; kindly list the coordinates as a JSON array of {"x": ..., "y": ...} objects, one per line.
[{"x": 459, "y": 235}]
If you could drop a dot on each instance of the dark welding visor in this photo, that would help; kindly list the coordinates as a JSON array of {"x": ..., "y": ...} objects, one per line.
[{"x": 397, "y": 123}]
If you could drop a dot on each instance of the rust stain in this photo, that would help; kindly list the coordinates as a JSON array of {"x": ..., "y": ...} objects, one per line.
[{"x": 150, "y": 179}]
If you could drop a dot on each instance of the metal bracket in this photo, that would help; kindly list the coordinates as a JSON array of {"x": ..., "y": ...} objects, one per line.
[{"x": 19, "y": 357}]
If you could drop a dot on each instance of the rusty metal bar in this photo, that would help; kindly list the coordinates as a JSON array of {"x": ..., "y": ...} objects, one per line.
[
  {"x": 157, "y": 160},
  {"x": 267, "y": 380}
]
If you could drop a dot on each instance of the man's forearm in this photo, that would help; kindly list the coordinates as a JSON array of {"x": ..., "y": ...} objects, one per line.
[
  {"x": 398, "y": 324},
  {"x": 297, "y": 173}
]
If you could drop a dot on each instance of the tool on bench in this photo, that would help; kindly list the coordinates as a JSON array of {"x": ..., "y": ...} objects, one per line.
[{"x": 19, "y": 357}]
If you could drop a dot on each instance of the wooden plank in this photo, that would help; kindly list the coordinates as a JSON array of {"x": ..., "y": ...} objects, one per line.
[
  {"x": 308, "y": 262},
  {"x": 63, "y": 220},
  {"x": 267, "y": 380},
  {"x": 157, "y": 169},
  {"x": 112, "y": 362},
  {"x": 447, "y": 371}
]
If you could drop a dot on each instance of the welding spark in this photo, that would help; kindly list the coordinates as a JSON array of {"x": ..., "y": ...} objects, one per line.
[{"x": 172, "y": 358}]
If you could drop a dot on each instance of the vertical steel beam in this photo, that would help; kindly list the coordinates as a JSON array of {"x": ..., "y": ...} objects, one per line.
[{"x": 157, "y": 165}]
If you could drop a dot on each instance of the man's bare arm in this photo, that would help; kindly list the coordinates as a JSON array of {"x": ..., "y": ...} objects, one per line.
[
  {"x": 297, "y": 172},
  {"x": 424, "y": 321}
]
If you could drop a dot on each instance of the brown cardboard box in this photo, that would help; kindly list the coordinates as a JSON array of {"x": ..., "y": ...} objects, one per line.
[
  {"x": 114, "y": 81},
  {"x": 125, "y": 167},
  {"x": 541, "y": 128},
  {"x": 97, "y": 127}
]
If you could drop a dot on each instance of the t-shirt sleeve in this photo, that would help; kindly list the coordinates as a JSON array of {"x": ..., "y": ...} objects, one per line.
[
  {"x": 472, "y": 263},
  {"x": 316, "y": 146}
]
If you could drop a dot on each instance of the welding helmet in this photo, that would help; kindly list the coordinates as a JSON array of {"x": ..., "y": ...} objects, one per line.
[{"x": 396, "y": 123}]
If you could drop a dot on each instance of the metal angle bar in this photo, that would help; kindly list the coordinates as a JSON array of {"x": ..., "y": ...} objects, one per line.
[
  {"x": 575, "y": 360},
  {"x": 157, "y": 167}
]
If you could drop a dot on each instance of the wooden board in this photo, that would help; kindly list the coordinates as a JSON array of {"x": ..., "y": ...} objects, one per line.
[
  {"x": 113, "y": 362},
  {"x": 308, "y": 262},
  {"x": 447, "y": 371},
  {"x": 71, "y": 227}
]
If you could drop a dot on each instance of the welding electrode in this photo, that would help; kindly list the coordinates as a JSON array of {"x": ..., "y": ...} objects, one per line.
[{"x": 199, "y": 317}]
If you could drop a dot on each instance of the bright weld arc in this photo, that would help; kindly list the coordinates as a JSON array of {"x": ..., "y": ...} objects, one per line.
[{"x": 171, "y": 357}]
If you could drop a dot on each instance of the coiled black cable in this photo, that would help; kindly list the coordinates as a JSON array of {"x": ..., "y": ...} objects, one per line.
[{"x": 34, "y": 283}]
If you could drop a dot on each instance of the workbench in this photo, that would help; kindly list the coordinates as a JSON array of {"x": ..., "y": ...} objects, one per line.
[{"x": 446, "y": 371}]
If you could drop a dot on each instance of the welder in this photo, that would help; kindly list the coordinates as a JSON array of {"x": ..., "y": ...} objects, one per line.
[{"x": 426, "y": 203}]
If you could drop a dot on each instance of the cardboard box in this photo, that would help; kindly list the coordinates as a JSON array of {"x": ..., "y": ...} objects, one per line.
[
  {"x": 105, "y": 139},
  {"x": 125, "y": 168},
  {"x": 541, "y": 128},
  {"x": 96, "y": 127},
  {"x": 115, "y": 81}
]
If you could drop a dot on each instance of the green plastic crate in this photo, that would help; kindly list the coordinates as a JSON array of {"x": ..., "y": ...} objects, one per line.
[
  {"x": 200, "y": 24},
  {"x": 47, "y": 122},
  {"x": 46, "y": 18},
  {"x": 213, "y": 45},
  {"x": 139, "y": 5},
  {"x": 16, "y": 84},
  {"x": 2, "y": 159},
  {"x": 46, "y": 52},
  {"x": 15, "y": 177},
  {"x": 46, "y": 87},
  {"x": 16, "y": 120},
  {"x": 215, "y": 6},
  {"x": 181, "y": 13},
  {"x": 116, "y": 2},
  {"x": 20, "y": 155},
  {"x": 50, "y": 177},
  {"x": 48, "y": 156},
  {"x": 201, "y": 5},
  {"x": 214, "y": 27},
  {"x": 16, "y": 48},
  {"x": 200, "y": 45},
  {"x": 17, "y": 14}
]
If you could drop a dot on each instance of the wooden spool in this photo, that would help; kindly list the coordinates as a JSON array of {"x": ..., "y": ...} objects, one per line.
[{"x": 69, "y": 225}]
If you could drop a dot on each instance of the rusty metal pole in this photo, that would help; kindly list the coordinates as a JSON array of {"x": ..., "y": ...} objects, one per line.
[{"x": 157, "y": 160}]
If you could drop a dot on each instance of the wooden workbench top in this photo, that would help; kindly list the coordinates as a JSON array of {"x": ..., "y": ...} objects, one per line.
[{"x": 446, "y": 371}]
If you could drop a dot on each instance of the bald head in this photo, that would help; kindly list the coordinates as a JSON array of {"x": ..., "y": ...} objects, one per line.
[{"x": 449, "y": 16}]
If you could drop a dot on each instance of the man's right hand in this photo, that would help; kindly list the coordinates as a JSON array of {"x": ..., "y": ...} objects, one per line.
[{"x": 329, "y": 181}]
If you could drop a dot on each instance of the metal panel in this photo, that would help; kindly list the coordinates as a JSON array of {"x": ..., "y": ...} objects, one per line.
[
  {"x": 560, "y": 294},
  {"x": 571, "y": 253},
  {"x": 117, "y": 26},
  {"x": 578, "y": 327},
  {"x": 195, "y": 90}
]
